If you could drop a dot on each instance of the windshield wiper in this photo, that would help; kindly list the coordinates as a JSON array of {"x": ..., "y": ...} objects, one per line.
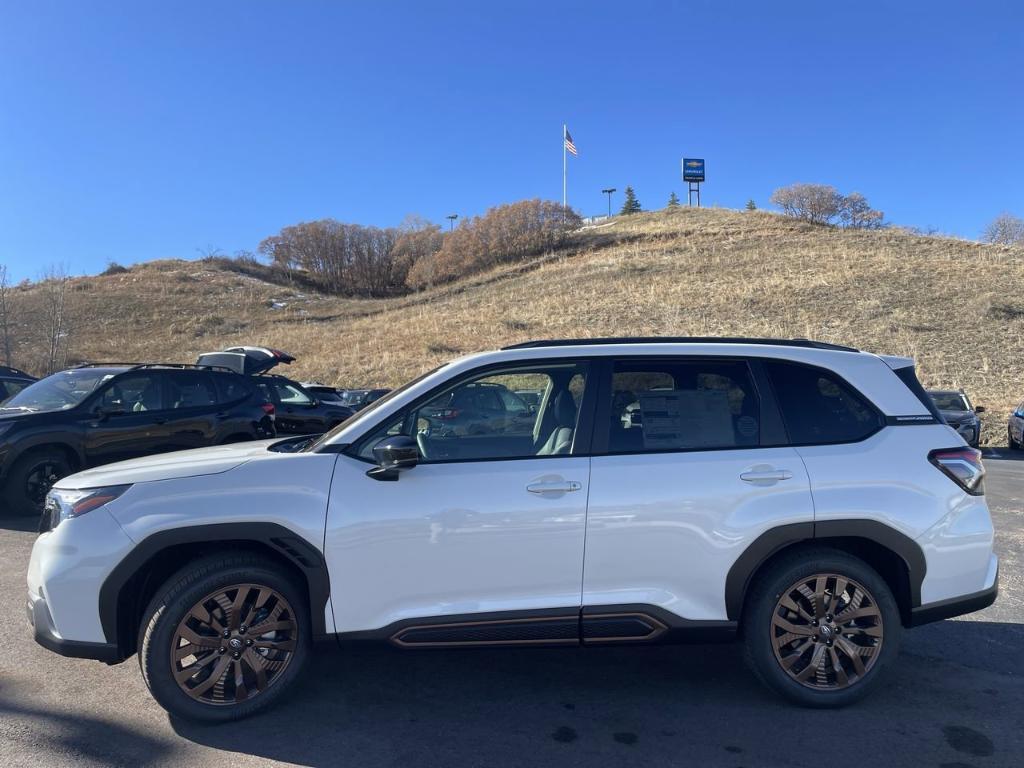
[{"x": 17, "y": 408}]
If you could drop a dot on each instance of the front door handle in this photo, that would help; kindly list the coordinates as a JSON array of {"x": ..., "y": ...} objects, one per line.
[
  {"x": 759, "y": 476},
  {"x": 558, "y": 486}
]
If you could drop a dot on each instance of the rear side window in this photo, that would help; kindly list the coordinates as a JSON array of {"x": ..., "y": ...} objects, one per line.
[
  {"x": 820, "y": 408},
  {"x": 678, "y": 405},
  {"x": 231, "y": 389},
  {"x": 191, "y": 389}
]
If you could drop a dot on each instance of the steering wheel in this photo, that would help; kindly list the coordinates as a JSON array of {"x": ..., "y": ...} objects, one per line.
[{"x": 421, "y": 443}]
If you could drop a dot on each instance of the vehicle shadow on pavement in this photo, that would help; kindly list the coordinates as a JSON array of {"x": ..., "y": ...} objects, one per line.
[
  {"x": 55, "y": 735},
  {"x": 21, "y": 523},
  {"x": 605, "y": 706},
  {"x": 1001, "y": 454}
]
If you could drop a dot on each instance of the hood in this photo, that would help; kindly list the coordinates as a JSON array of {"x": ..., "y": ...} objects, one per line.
[{"x": 168, "y": 466}]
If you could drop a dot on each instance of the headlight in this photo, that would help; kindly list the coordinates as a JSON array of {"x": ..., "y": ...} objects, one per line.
[{"x": 64, "y": 504}]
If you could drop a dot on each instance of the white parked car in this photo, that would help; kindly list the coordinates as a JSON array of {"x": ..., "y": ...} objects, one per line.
[{"x": 801, "y": 496}]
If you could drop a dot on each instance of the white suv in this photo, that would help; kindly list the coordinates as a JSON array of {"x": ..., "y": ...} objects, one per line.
[{"x": 804, "y": 497}]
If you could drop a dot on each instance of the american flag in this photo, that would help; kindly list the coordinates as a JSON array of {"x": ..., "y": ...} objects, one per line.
[{"x": 569, "y": 145}]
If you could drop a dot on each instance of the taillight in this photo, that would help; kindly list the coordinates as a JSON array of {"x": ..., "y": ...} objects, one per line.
[
  {"x": 269, "y": 409},
  {"x": 448, "y": 413},
  {"x": 963, "y": 466}
]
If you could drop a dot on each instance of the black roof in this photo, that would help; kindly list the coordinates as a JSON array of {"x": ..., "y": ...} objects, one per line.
[
  {"x": 807, "y": 343},
  {"x": 6, "y": 370}
]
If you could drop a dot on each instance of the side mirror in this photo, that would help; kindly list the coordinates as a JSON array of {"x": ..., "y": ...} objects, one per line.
[
  {"x": 979, "y": 409},
  {"x": 393, "y": 455}
]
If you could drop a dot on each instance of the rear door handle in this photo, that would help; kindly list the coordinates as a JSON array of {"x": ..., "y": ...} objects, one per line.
[
  {"x": 558, "y": 486},
  {"x": 765, "y": 475}
]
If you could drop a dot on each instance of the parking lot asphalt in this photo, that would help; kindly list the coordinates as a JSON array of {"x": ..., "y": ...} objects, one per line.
[{"x": 956, "y": 698}]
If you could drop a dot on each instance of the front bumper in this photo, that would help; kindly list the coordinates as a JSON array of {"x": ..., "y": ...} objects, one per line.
[
  {"x": 65, "y": 575},
  {"x": 39, "y": 618},
  {"x": 971, "y": 433}
]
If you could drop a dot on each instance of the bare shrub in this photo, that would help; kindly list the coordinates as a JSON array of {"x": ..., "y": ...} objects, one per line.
[
  {"x": 816, "y": 203},
  {"x": 1004, "y": 229},
  {"x": 344, "y": 258},
  {"x": 56, "y": 317},
  {"x": 822, "y": 204},
  {"x": 855, "y": 213},
  {"x": 504, "y": 234}
]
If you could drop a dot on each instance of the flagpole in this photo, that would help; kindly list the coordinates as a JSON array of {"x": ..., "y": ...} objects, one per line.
[{"x": 565, "y": 166}]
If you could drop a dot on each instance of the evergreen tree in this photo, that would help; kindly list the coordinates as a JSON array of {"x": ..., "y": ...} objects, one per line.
[
  {"x": 631, "y": 205},
  {"x": 673, "y": 200},
  {"x": 751, "y": 205}
]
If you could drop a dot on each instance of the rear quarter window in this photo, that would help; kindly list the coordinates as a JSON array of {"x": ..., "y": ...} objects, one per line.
[{"x": 818, "y": 407}]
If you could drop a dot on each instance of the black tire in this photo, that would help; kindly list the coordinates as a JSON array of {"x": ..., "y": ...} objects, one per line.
[
  {"x": 760, "y": 630},
  {"x": 1014, "y": 445},
  {"x": 29, "y": 480},
  {"x": 174, "y": 603}
]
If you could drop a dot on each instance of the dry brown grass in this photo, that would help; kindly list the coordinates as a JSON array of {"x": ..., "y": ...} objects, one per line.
[{"x": 945, "y": 302}]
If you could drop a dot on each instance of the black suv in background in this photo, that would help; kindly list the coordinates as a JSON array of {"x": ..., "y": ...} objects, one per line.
[
  {"x": 959, "y": 412},
  {"x": 299, "y": 412},
  {"x": 97, "y": 414},
  {"x": 360, "y": 398},
  {"x": 12, "y": 381}
]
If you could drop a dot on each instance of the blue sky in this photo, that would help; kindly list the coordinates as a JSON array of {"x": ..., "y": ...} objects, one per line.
[{"x": 134, "y": 131}]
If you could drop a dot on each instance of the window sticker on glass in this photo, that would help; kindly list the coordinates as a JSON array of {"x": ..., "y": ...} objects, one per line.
[{"x": 686, "y": 419}]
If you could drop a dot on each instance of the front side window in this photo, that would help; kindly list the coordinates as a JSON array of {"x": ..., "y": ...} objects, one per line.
[
  {"x": 132, "y": 394},
  {"x": 482, "y": 417},
  {"x": 678, "y": 405},
  {"x": 818, "y": 407}
]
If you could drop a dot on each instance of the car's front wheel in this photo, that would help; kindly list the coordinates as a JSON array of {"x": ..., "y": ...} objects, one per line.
[
  {"x": 31, "y": 478},
  {"x": 1014, "y": 445},
  {"x": 820, "y": 627},
  {"x": 224, "y": 638}
]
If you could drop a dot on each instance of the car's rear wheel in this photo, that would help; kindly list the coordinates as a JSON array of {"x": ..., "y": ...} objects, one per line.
[
  {"x": 224, "y": 638},
  {"x": 1014, "y": 445},
  {"x": 820, "y": 627},
  {"x": 31, "y": 478}
]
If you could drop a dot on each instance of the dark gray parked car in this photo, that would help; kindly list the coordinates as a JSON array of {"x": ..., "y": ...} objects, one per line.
[
  {"x": 298, "y": 411},
  {"x": 958, "y": 411}
]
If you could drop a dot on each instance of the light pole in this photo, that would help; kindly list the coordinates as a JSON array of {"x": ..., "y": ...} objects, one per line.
[
  {"x": 609, "y": 193},
  {"x": 451, "y": 220}
]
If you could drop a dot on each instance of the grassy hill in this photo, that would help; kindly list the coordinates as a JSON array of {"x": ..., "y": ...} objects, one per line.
[{"x": 955, "y": 306}]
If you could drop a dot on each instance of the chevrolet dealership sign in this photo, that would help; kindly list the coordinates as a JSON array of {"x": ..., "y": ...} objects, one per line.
[{"x": 693, "y": 169}]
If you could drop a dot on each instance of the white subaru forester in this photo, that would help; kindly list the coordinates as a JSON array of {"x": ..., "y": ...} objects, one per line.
[{"x": 804, "y": 497}]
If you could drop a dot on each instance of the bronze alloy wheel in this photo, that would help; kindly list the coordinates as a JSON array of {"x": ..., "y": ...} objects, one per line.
[
  {"x": 233, "y": 644},
  {"x": 827, "y": 632}
]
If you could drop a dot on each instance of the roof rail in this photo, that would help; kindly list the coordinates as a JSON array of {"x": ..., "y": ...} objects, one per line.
[
  {"x": 807, "y": 343},
  {"x": 138, "y": 366}
]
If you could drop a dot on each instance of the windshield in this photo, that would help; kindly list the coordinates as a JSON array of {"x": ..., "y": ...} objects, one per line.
[
  {"x": 950, "y": 401},
  {"x": 58, "y": 392},
  {"x": 325, "y": 438}
]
